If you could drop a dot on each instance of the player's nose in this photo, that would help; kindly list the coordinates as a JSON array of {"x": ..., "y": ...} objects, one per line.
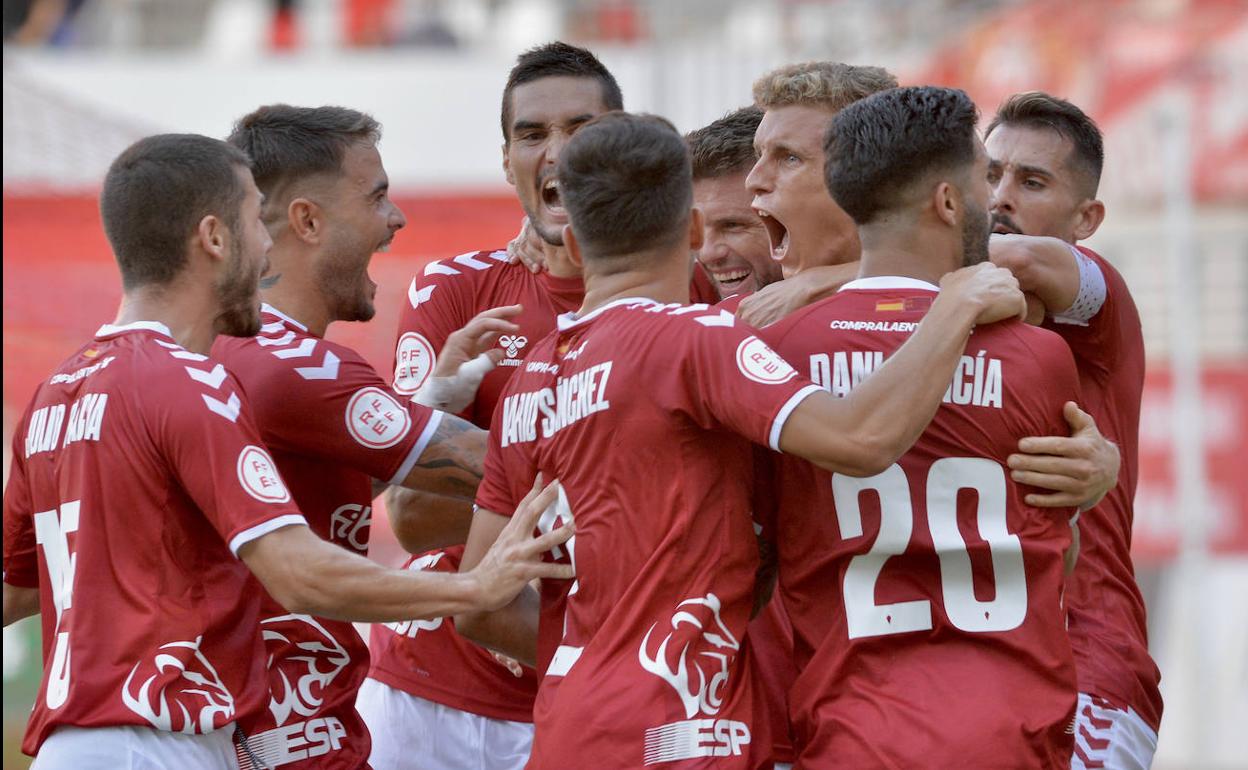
[
  {"x": 396, "y": 221},
  {"x": 758, "y": 181}
]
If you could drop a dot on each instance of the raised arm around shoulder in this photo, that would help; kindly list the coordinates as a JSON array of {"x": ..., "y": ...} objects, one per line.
[
  {"x": 1045, "y": 267},
  {"x": 19, "y": 603},
  {"x": 864, "y": 433}
]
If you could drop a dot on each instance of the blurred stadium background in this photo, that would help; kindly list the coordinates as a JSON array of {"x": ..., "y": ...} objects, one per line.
[{"x": 1166, "y": 79}]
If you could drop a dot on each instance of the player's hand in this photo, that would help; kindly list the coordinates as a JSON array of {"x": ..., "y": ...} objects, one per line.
[
  {"x": 526, "y": 247},
  {"x": 509, "y": 663},
  {"x": 1079, "y": 469},
  {"x": 515, "y": 558},
  {"x": 469, "y": 355},
  {"x": 478, "y": 336},
  {"x": 775, "y": 301},
  {"x": 991, "y": 291}
]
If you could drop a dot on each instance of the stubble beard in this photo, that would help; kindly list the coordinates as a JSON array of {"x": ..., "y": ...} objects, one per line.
[{"x": 976, "y": 229}]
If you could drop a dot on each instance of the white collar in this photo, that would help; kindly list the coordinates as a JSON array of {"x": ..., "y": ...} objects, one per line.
[
  {"x": 109, "y": 330},
  {"x": 267, "y": 308},
  {"x": 570, "y": 320},
  {"x": 890, "y": 282}
]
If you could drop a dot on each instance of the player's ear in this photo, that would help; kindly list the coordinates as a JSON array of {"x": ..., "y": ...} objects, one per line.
[
  {"x": 574, "y": 248},
  {"x": 212, "y": 236},
  {"x": 305, "y": 220},
  {"x": 511, "y": 179},
  {"x": 1090, "y": 215},
  {"x": 697, "y": 235},
  {"x": 947, "y": 203}
]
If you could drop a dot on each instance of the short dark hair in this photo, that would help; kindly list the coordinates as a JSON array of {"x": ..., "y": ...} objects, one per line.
[
  {"x": 287, "y": 144},
  {"x": 726, "y": 146},
  {"x": 1036, "y": 109},
  {"x": 626, "y": 183},
  {"x": 156, "y": 193},
  {"x": 555, "y": 59},
  {"x": 877, "y": 148}
]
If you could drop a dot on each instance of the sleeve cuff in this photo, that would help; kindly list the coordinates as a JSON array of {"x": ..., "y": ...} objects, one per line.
[
  {"x": 1091, "y": 296},
  {"x": 264, "y": 528},
  {"x": 777, "y": 425},
  {"x": 409, "y": 462}
]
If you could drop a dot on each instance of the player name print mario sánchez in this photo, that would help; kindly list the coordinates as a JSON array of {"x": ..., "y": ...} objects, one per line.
[{"x": 693, "y": 652}]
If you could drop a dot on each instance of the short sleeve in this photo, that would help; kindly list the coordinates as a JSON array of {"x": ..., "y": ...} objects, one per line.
[
  {"x": 21, "y": 563},
  {"x": 735, "y": 381},
  {"x": 352, "y": 418},
  {"x": 212, "y": 445},
  {"x": 439, "y": 301}
]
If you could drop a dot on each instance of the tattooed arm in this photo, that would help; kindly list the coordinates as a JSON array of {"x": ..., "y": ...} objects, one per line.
[{"x": 433, "y": 507}]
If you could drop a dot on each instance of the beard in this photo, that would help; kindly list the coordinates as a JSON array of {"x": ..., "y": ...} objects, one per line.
[
  {"x": 975, "y": 232},
  {"x": 548, "y": 233},
  {"x": 236, "y": 296},
  {"x": 344, "y": 283}
]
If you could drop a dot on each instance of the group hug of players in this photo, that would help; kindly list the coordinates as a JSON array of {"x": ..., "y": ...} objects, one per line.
[{"x": 820, "y": 496}]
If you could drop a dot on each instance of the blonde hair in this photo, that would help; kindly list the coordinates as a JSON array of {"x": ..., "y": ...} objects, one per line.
[{"x": 832, "y": 85}]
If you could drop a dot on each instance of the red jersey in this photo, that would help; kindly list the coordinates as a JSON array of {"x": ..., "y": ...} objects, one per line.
[
  {"x": 926, "y": 601},
  {"x": 137, "y": 475},
  {"x": 645, "y": 413},
  {"x": 771, "y": 639},
  {"x": 450, "y": 292},
  {"x": 437, "y": 671},
  {"x": 441, "y": 300},
  {"x": 732, "y": 302},
  {"x": 1108, "y": 628},
  {"x": 333, "y": 426}
]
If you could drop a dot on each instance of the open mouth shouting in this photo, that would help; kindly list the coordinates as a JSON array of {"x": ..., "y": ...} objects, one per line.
[
  {"x": 777, "y": 233},
  {"x": 551, "y": 200}
]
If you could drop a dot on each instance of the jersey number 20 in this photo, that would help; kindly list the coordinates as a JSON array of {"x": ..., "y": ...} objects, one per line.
[{"x": 945, "y": 479}]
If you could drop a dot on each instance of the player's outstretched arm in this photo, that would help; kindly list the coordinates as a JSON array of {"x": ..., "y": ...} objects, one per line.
[
  {"x": 1045, "y": 267},
  {"x": 511, "y": 630},
  {"x": 867, "y": 431},
  {"x": 19, "y": 603},
  {"x": 306, "y": 574},
  {"x": 771, "y": 303},
  {"x": 1080, "y": 469}
]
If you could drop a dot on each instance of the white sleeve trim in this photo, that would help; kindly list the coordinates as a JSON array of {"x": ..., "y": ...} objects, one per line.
[
  {"x": 435, "y": 419},
  {"x": 1091, "y": 296},
  {"x": 777, "y": 425},
  {"x": 264, "y": 528}
]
